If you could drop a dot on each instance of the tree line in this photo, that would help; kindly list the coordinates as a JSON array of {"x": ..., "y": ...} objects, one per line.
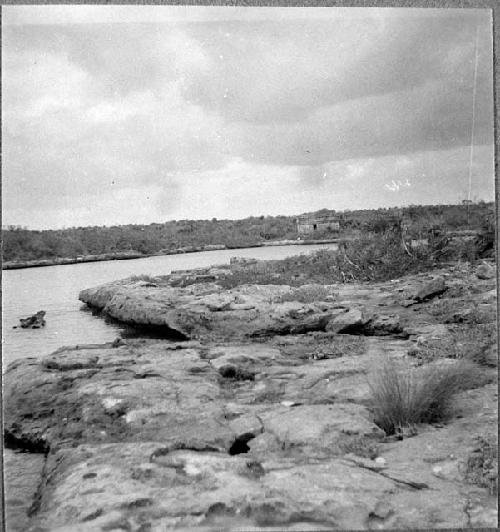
[{"x": 21, "y": 244}]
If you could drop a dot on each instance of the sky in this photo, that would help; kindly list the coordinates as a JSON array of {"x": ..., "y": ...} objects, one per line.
[{"x": 140, "y": 114}]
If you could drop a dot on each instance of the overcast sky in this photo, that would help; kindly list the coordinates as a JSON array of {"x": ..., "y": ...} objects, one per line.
[{"x": 140, "y": 114}]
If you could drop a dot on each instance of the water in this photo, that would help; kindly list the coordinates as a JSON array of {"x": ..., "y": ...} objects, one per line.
[{"x": 55, "y": 289}]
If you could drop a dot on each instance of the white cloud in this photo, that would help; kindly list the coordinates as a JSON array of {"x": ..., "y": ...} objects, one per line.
[{"x": 228, "y": 113}]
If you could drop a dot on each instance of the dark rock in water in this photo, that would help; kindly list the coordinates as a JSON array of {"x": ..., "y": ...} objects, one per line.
[{"x": 34, "y": 322}]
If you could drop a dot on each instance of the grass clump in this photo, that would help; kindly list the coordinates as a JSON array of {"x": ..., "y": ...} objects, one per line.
[
  {"x": 403, "y": 397},
  {"x": 481, "y": 467}
]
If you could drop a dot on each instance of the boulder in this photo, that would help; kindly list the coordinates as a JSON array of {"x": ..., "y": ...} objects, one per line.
[
  {"x": 429, "y": 290},
  {"x": 385, "y": 325},
  {"x": 347, "y": 322},
  {"x": 485, "y": 271}
]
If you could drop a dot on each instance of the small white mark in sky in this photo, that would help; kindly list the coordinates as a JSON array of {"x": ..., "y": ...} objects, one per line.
[{"x": 395, "y": 186}]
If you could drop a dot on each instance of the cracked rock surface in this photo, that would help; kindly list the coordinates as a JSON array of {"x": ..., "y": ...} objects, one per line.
[{"x": 260, "y": 419}]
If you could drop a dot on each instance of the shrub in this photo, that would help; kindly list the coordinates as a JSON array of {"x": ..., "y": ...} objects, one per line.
[
  {"x": 378, "y": 257},
  {"x": 368, "y": 257},
  {"x": 403, "y": 397}
]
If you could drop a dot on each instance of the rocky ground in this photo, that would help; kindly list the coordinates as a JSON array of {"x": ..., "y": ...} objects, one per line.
[{"x": 255, "y": 411}]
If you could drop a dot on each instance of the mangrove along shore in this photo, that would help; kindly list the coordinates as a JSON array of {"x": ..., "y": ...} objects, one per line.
[{"x": 60, "y": 261}]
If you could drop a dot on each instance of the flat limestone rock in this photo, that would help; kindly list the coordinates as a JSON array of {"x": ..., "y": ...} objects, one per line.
[
  {"x": 262, "y": 422},
  {"x": 319, "y": 425},
  {"x": 100, "y": 486}
]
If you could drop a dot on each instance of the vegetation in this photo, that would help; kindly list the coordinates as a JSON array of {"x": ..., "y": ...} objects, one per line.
[
  {"x": 307, "y": 294},
  {"x": 404, "y": 397},
  {"x": 475, "y": 343},
  {"x": 321, "y": 346},
  {"x": 144, "y": 278},
  {"x": 370, "y": 257},
  {"x": 21, "y": 244},
  {"x": 360, "y": 446},
  {"x": 482, "y": 463}
]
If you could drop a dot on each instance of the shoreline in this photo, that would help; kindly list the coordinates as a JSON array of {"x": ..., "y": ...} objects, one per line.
[
  {"x": 254, "y": 383},
  {"x": 18, "y": 265}
]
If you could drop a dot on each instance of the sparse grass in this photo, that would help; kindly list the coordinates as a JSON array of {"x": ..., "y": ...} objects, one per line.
[
  {"x": 402, "y": 397},
  {"x": 307, "y": 294},
  {"x": 143, "y": 277},
  {"x": 320, "y": 346},
  {"x": 359, "y": 446},
  {"x": 451, "y": 311},
  {"x": 472, "y": 342},
  {"x": 481, "y": 467}
]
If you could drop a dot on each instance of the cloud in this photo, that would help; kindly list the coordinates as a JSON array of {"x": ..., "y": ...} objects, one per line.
[
  {"x": 220, "y": 112},
  {"x": 272, "y": 72}
]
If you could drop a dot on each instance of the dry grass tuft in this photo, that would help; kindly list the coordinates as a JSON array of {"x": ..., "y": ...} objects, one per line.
[{"x": 403, "y": 397}]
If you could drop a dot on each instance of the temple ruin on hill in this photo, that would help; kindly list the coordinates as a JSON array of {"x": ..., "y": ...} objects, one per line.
[
  {"x": 309, "y": 223},
  {"x": 335, "y": 222}
]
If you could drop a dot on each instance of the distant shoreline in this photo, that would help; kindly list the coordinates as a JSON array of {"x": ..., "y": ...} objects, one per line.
[{"x": 61, "y": 261}]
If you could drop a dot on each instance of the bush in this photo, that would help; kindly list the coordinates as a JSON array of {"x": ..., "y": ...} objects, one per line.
[
  {"x": 404, "y": 397},
  {"x": 366, "y": 258}
]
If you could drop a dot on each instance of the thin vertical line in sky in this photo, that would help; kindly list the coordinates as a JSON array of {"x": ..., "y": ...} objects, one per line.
[{"x": 471, "y": 154}]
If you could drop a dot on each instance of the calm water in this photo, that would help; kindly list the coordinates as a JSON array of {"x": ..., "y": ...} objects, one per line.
[{"x": 55, "y": 289}]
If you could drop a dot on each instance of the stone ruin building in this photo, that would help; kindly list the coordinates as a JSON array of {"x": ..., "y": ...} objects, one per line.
[{"x": 335, "y": 222}]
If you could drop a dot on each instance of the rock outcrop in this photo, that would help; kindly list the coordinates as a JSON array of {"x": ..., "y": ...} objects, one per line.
[
  {"x": 486, "y": 271},
  {"x": 202, "y": 311},
  {"x": 256, "y": 414},
  {"x": 150, "y": 434}
]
